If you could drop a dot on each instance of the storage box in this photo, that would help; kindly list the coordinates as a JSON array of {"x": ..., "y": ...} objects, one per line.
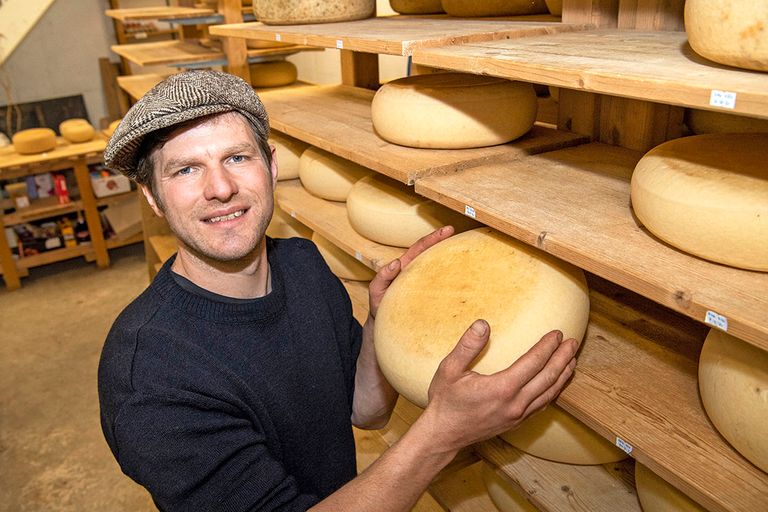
[
  {"x": 104, "y": 186},
  {"x": 125, "y": 217}
]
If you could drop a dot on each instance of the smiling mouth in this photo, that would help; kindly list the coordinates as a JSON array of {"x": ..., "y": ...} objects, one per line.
[{"x": 223, "y": 218}]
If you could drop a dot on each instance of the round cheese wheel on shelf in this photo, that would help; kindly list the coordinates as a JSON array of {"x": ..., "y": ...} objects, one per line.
[
  {"x": 283, "y": 225},
  {"x": 733, "y": 383},
  {"x": 328, "y": 176},
  {"x": 77, "y": 130},
  {"x": 555, "y": 435},
  {"x": 273, "y": 74},
  {"x": 555, "y": 7},
  {"x": 112, "y": 127},
  {"x": 523, "y": 293},
  {"x": 34, "y": 140},
  {"x": 502, "y": 494},
  {"x": 295, "y": 12},
  {"x": 657, "y": 495},
  {"x": 474, "y": 8},
  {"x": 289, "y": 151},
  {"x": 453, "y": 110},
  {"x": 341, "y": 263},
  {"x": 707, "y": 121},
  {"x": 390, "y": 213},
  {"x": 730, "y": 32},
  {"x": 416, "y": 6}
]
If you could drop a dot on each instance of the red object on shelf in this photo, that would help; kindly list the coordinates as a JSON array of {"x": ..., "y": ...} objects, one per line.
[{"x": 60, "y": 188}]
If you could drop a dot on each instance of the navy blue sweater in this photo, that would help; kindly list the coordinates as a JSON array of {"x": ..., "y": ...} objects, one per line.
[{"x": 235, "y": 405}]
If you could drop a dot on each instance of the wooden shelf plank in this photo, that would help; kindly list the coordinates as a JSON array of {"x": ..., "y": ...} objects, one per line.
[
  {"x": 137, "y": 85},
  {"x": 164, "y": 246},
  {"x": 44, "y": 258},
  {"x": 574, "y": 203},
  {"x": 158, "y": 13},
  {"x": 187, "y": 52},
  {"x": 337, "y": 118},
  {"x": 15, "y": 165},
  {"x": 398, "y": 35},
  {"x": 41, "y": 209},
  {"x": 653, "y": 66}
]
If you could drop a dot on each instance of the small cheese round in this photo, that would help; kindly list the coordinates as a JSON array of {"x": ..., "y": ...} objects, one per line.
[
  {"x": 283, "y": 225},
  {"x": 453, "y": 110},
  {"x": 731, "y": 32},
  {"x": 707, "y": 195},
  {"x": 288, "y": 152},
  {"x": 657, "y": 495},
  {"x": 522, "y": 292},
  {"x": 34, "y": 140},
  {"x": 77, "y": 130},
  {"x": 416, "y": 6},
  {"x": 390, "y": 213},
  {"x": 295, "y": 12},
  {"x": 273, "y": 74},
  {"x": 328, "y": 176},
  {"x": 555, "y": 7},
  {"x": 112, "y": 127},
  {"x": 468, "y": 9},
  {"x": 733, "y": 383},
  {"x": 555, "y": 435},
  {"x": 502, "y": 494},
  {"x": 707, "y": 121},
  {"x": 341, "y": 263}
]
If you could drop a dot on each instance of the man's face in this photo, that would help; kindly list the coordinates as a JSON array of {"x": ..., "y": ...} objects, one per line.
[{"x": 214, "y": 188}]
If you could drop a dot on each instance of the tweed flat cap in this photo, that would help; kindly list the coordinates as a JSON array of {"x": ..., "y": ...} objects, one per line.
[{"x": 177, "y": 99}]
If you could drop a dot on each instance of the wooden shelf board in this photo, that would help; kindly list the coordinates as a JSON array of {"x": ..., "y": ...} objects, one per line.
[
  {"x": 653, "y": 66},
  {"x": 574, "y": 203},
  {"x": 44, "y": 258},
  {"x": 137, "y": 85},
  {"x": 164, "y": 246},
  {"x": 14, "y": 165},
  {"x": 337, "y": 118},
  {"x": 396, "y": 35},
  {"x": 116, "y": 198},
  {"x": 186, "y": 52},
  {"x": 41, "y": 209},
  {"x": 158, "y": 13}
]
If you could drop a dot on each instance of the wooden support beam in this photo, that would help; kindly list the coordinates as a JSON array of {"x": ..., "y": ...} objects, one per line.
[{"x": 360, "y": 69}]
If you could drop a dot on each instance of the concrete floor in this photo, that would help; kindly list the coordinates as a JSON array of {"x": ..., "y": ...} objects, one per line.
[{"x": 52, "y": 453}]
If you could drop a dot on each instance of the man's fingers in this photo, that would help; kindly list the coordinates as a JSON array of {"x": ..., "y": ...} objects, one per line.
[
  {"x": 424, "y": 243},
  {"x": 552, "y": 392},
  {"x": 458, "y": 361},
  {"x": 551, "y": 371},
  {"x": 383, "y": 279},
  {"x": 532, "y": 362}
]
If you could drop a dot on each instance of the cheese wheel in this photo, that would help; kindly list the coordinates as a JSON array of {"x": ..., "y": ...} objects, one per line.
[
  {"x": 502, "y": 494},
  {"x": 288, "y": 152},
  {"x": 731, "y": 32},
  {"x": 555, "y": 7},
  {"x": 341, "y": 263},
  {"x": 656, "y": 495},
  {"x": 453, "y": 110},
  {"x": 112, "y": 127},
  {"x": 706, "y": 121},
  {"x": 257, "y": 44},
  {"x": 328, "y": 176},
  {"x": 555, "y": 435},
  {"x": 77, "y": 130},
  {"x": 473, "y": 8},
  {"x": 34, "y": 140},
  {"x": 273, "y": 74},
  {"x": 416, "y": 6},
  {"x": 733, "y": 382},
  {"x": 522, "y": 292},
  {"x": 294, "y": 12},
  {"x": 707, "y": 195},
  {"x": 390, "y": 213},
  {"x": 283, "y": 225}
]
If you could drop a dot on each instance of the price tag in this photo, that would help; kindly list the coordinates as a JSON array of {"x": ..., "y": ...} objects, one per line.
[
  {"x": 724, "y": 99},
  {"x": 358, "y": 256},
  {"x": 141, "y": 35},
  {"x": 278, "y": 37},
  {"x": 339, "y": 44},
  {"x": 624, "y": 446},
  {"x": 469, "y": 211},
  {"x": 716, "y": 320},
  {"x": 293, "y": 214}
]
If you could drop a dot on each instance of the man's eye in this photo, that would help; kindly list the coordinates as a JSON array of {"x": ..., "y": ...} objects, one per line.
[
  {"x": 238, "y": 158},
  {"x": 184, "y": 171}
]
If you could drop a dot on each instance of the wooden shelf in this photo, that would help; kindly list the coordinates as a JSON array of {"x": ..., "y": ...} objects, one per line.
[
  {"x": 15, "y": 165},
  {"x": 158, "y": 13},
  {"x": 188, "y": 52},
  {"x": 337, "y": 118},
  {"x": 164, "y": 246},
  {"x": 653, "y": 66},
  {"x": 574, "y": 203},
  {"x": 114, "y": 243},
  {"x": 398, "y": 35},
  {"x": 137, "y": 85},
  {"x": 41, "y": 209},
  {"x": 44, "y": 258},
  {"x": 116, "y": 198}
]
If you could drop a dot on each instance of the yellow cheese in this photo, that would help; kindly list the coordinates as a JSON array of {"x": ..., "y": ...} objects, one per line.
[
  {"x": 34, "y": 140},
  {"x": 294, "y": 12},
  {"x": 707, "y": 195},
  {"x": 328, "y": 176},
  {"x": 390, "y": 213},
  {"x": 273, "y": 74},
  {"x": 288, "y": 152},
  {"x": 283, "y": 225},
  {"x": 453, "y": 110},
  {"x": 733, "y": 383},
  {"x": 555, "y": 7},
  {"x": 731, "y": 32},
  {"x": 112, "y": 127},
  {"x": 707, "y": 121},
  {"x": 522, "y": 292},
  {"x": 416, "y": 6},
  {"x": 657, "y": 495},
  {"x": 502, "y": 494},
  {"x": 473, "y": 8},
  {"x": 341, "y": 263},
  {"x": 77, "y": 130}
]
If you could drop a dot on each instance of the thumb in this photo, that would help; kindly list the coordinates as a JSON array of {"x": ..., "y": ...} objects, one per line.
[{"x": 458, "y": 361}]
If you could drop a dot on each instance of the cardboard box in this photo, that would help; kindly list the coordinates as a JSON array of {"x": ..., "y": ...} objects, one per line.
[
  {"x": 110, "y": 185},
  {"x": 125, "y": 217}
]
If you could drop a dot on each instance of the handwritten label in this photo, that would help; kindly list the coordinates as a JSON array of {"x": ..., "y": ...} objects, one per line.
[
  {"x": 278, "y": 37},
  {"x": 339, "y": 44},
  {"x": 716, "y": 320},
  {"x": 358, "y": 256},
  {"x": 469, "y": 211},
  {"x": 624, "y": 446},
  {"x": 724, "y": 99}
]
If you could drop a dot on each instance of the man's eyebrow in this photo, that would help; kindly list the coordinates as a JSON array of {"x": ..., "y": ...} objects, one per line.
[{"x": 181, "y": 162}]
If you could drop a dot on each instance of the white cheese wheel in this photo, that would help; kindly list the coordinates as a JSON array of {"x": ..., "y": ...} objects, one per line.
[
  {"x": 733, "y": 383},
  {"x": 472, "y": 8},
  {"x": 707, "y": 195},
  {"x": 328, "y": 176},
  {"x": 390, "y": 213},
  {"x": 283, "y": 225},
  {"x": 77, "y": 130},
  {"x": 288, "y": 152},
  {"x": 707, "y": 121},
  {"x": 523, "y": 293},
  {"x": 553, "y": 434},
  {"x": 453, "y": 110},
  {"x": 34, "y": 140},
  {"x": 341, "y": 263},
  {"x": 273, "y": 74},
  {"x": 657, "y": 495},
  {"x": 502, "y": 494},
  {"x": 416, "y": 6},
  {"x": 731, "y": 32},
  {"x": 555, "y": 7},
  {"x": 294, "y": 12}
]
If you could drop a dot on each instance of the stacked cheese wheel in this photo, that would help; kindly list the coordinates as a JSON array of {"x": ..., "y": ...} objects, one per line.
[
  {"x": 502, "y": 494},
  {"x": 555, "y": 7},
  {"x": 273, "y": 74},
  {"x": 707, "y": 121},
  {"x": 416, "y": 6},
  {"x": 283, "y": 225},
  {"x": 34, "y": 140},
  {"x": 77, "y": 130},
  {"x": 295, "y": 12},
  {"x": 472, "y": 8},
  {"x": 657, "y": 495},
  {"x": 328, "y": 176},
  {"x": 288, "y": 152},
  {"x": 341, "y": 264}
]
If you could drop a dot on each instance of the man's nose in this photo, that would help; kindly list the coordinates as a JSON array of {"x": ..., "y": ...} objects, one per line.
[{"x": 219, "y": 184}]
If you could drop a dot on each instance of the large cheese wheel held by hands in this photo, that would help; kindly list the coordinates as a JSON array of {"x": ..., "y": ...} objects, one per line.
[
  {"x": 294, "y": 12},
  {"x": 34, "y": 140},
  {"x": 390, "y": 213},
  {"x": 328, "y": 176},
  {"x": 288, "y": 151},
  {"x": 657, "y": 495},
  {"x": 77, "y": 130},
  {"x": 453, "y": 111},
  {"x": 473, "y": 8},
  {"x": 707, "y": 195},
  {"x": 341, "y": 264}
]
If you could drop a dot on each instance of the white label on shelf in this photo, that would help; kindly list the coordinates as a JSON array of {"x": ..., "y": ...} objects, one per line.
[
  {"x": 278, "y": 37},
  {"x": 339, "y": 44},
  {"x": 469, "y": 211},
  {"x": 716, "y": 320},
  {"x": 624, "y": 446},
  {"x": 358, "y": 256},
  {"x": 293, "y": 214},
  {"x": 723, "y": 99},
  {"x": 141, "y": 35}
]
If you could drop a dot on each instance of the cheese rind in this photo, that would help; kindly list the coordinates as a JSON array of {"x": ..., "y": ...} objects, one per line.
[
  {"x": 475, "y": 8},
  {"x": 657, "y": 495},
  {"x": 283, "y": 225},
  {"x": 34, "y": 140},
  {"x": 555, "y": 7},
  {"x": 328, "y": 176},
  {"x": 288, "y": 151},
  {"x": 341, "y": 264},
  {"x": 77, "y": 130},
  {"x": 502, "y": 494},
  {"x": 294, "y": 12},
  {"x": 273, "y": 74},
  {"x": 416, "y": 6}
]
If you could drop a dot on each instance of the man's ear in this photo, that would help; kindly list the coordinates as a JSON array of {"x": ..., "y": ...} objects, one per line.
[
  {"x": 151, "y": 200},
  {"x": 273, "y": 166}
]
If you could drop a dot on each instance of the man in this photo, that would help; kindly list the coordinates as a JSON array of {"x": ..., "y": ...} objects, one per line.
[{"x": 233, "y": 381}]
